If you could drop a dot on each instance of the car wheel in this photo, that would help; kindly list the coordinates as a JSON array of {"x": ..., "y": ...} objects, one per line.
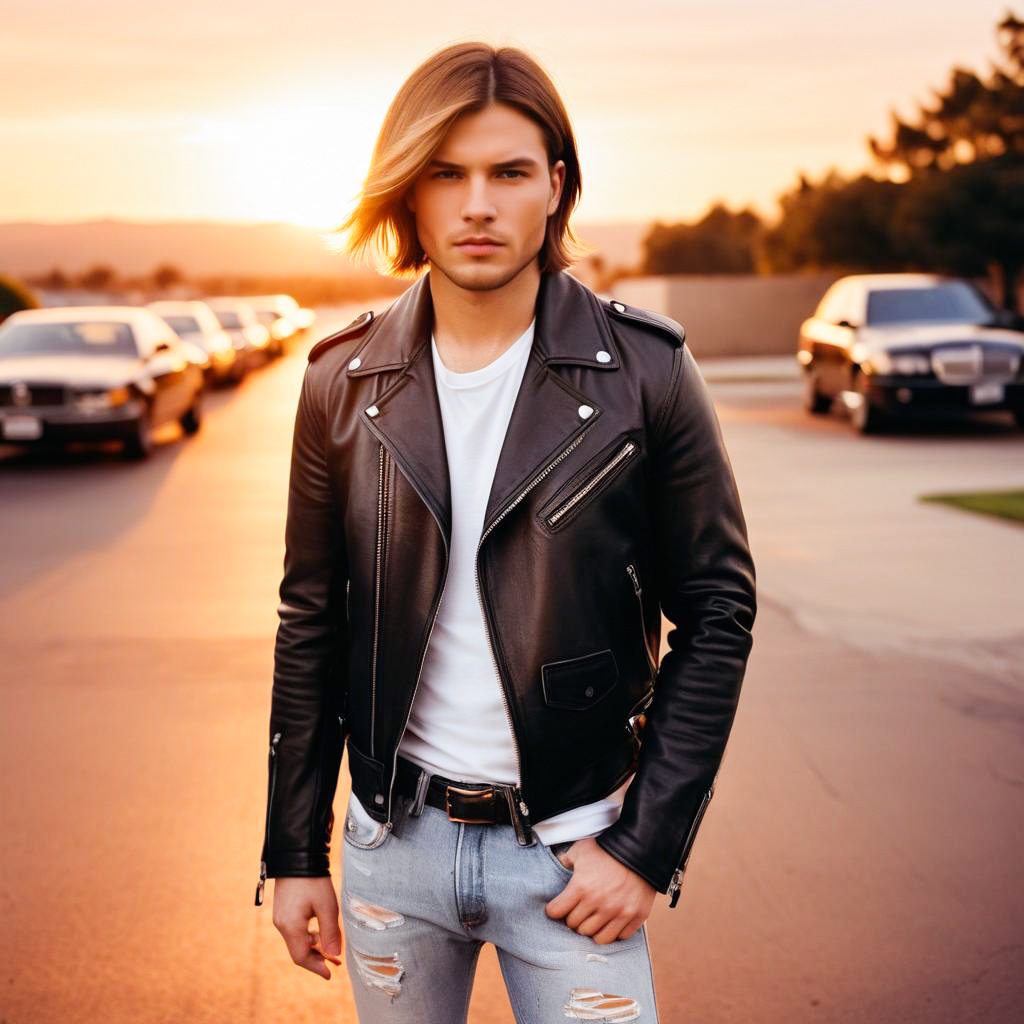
[
  {"x": 814, "y": 401},
  {"x": 192, "y": 420},
  {"x": 139, "y": 444},
  {"x": 866, "y": 417},
  {"x": 1018, "y": 417}
]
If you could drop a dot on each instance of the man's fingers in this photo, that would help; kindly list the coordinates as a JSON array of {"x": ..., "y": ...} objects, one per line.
[
  {"x": 329, "y": 934},
  {"x": 316, "y": 942},
  {"x": 614, "y": 929},
  {"x": 300, "y": 942}
]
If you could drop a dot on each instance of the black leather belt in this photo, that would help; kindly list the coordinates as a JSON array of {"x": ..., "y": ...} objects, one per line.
[{"x": 471, "y": 802}]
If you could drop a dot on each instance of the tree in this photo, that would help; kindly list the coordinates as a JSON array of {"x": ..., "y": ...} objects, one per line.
[
  {"x": 963, "y": 162},
  {"x": 15, "y": 296},
  {"x": 837, "y": 223},
  {"x": 720, "y": 242},
  {"x": 55, "y": 279},
  {"x": 98, "y": 278},
  {"x": 166, "y": 276},
  {"x": 969, "y": 220}
]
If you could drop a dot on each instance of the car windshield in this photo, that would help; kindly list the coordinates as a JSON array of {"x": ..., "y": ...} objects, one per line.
[
  {"x": 74, "y": 338},
  {"x": 228, "y": 319},
  {"x": 953, "y": 301},
  {"x": 182, "y": 324}
]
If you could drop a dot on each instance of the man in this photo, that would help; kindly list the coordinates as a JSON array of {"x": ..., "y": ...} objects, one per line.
[{"x": 497, "y": 487}]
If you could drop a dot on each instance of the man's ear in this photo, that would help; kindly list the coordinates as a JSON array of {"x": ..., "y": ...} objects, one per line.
[{"x": 557, "y": 184}]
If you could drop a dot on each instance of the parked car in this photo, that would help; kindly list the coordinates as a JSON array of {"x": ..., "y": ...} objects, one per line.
[
  {"x": 196, "y": 323},
  {"x": 238, "y": 318},
  {"x": 891, "y": 345},
  {"x": 286, "y": 320},
  {"x": 94, "y": 373}
]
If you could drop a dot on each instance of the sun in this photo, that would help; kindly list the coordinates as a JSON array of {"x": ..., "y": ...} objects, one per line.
[{"x": 299, "y": 161}]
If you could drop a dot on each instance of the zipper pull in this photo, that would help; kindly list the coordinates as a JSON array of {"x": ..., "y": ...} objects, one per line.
[
  {"x": 633, "y": 576},
  {"x": 520, "y": 815},
  {"x": 673, "y": 888},
  {"x": 522, "y": 804},
  {"x": 263, "y": 864},
  {"x": 261, "y": 883}
]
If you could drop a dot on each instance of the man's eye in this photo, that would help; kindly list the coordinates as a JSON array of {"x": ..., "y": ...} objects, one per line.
[
  {"x": 513, "y": 171},
  {"x": 444, "y": 174}
]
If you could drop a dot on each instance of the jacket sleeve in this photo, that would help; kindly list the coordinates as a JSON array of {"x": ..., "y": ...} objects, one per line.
[
  {"x": 307, "y": 725},
  {"x": 706, "y": 589}
]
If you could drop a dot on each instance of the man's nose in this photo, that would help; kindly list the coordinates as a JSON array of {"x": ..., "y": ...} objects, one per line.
[{"x": 478, "y": 203}]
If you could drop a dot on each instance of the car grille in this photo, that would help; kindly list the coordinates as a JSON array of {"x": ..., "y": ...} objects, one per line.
[
  {"x": 971, "y": 364},
  {"x": 19, "y": 396}
]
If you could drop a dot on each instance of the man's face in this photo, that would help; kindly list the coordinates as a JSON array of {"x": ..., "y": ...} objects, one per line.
[{"x": 482, "y": 203}]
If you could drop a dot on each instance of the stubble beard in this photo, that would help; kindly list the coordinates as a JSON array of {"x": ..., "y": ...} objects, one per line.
[{"x": 471, "y": 282}]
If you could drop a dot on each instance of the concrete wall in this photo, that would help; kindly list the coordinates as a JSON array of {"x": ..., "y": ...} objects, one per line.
[{"x": 731, "y": 314}]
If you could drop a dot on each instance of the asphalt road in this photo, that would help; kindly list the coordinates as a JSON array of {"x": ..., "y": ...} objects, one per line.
[{"x": 861, "y": 860}]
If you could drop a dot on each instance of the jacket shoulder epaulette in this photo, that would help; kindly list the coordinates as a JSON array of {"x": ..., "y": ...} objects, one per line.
[
  {"x": 353, "y": 330},
  {"x": 664, "y": 325}
]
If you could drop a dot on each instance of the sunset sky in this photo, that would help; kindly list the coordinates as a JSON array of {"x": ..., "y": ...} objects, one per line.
[{"x": 263, "y": 111}]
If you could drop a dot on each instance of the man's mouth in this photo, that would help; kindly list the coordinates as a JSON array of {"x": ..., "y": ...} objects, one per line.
[{"x": 478, "y": 244}]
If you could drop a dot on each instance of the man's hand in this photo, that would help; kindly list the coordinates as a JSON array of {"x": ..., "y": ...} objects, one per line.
[
  {"x": 603, "y": 899},
  {"x": 296, "y": 901}
]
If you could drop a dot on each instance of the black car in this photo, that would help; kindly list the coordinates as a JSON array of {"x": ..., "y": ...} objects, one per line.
[
  {"x": 889, "y": 345},
  {"x": 94, "y": 373}
]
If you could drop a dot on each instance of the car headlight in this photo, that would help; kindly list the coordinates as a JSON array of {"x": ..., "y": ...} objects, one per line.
[
  {"x": 909, "y": 364},
  {"x": 98, "y": 400}
]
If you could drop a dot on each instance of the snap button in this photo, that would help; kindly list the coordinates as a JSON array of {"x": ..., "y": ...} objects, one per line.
[
  {"x": 585, "y": 411},
  {"x": 378, "y": 798},
  {"x": 354, "y": 364},
  {"x": 372, "y": 411},
  {"x": 588, "y": 692},
  {"x": 351, "y": 825},
  {"x": 618, "y": 307},
  {"x": 603, "y": 357}
]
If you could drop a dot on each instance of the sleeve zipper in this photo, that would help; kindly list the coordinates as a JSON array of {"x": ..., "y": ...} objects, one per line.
[
  {"x": 677, "y": 875},
  {"x": 270, "y": 803}
]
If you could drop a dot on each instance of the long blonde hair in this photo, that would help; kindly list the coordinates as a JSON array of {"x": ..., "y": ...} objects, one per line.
[{"x": 460, "y": 78}]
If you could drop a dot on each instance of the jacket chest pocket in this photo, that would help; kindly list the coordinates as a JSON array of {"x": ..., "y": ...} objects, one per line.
[
  {"x": 577, "y": 684},
  {"x": 589, "y": 483}
]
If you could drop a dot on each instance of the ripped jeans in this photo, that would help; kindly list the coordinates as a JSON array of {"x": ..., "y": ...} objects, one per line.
[{"x": 419, "y": 901}]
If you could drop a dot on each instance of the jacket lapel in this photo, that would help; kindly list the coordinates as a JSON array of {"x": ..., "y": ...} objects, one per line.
[{"x": 549, "y": 414}]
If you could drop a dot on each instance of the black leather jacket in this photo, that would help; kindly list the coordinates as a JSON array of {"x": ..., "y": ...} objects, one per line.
[{"x": 613, "y": 501}]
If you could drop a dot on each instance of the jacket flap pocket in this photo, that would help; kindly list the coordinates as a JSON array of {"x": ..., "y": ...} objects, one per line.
[{"x": 579, "y": 683}]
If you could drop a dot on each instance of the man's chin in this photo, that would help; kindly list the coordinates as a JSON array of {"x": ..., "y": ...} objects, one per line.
[{"x": 479, "y": 277}]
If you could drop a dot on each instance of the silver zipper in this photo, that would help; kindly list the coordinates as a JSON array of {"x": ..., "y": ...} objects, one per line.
[
  {"x": 382, "y": 498},
  {"x": 677, "y": 875},
  {"x": 389, "y": 824},
  {"x": 624, "y": 452},
  {"x": 631, "y": 569},
  {"x": 270, "y": 803},
  {"x": 487, "y": 629}
]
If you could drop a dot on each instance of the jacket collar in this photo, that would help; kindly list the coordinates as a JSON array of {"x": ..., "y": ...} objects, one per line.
[
  {"x": 550, "y": 415},
  {"x": 571, "y": 327}
]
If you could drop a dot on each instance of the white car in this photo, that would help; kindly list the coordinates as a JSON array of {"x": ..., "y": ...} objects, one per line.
[
  {"x": 239, "y": 319},
  {"x": 195, "y": 322},
  {"x": 94, "y": 373},
  {"x": 283, "y": 317}
]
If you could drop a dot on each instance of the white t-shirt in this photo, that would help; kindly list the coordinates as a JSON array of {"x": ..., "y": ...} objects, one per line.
[{"x": 458, "y": 726}]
